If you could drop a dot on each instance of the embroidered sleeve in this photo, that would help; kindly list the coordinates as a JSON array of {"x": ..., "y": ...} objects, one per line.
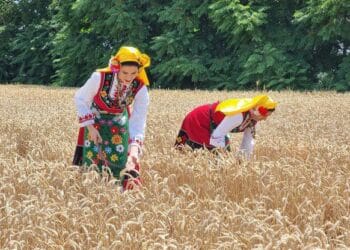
[
  {"x": 217, "y": 138},
  {"x": 84, "y": 97},
  {"x": 137, "y": 122}
]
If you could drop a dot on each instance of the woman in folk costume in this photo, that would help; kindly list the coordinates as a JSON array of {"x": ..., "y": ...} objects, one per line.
[
  {"x": 207, "y": 126},
  {"x": 111, "y": 134}
]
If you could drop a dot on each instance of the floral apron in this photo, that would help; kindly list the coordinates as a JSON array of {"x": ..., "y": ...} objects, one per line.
[{"x": 112, "y": 153}]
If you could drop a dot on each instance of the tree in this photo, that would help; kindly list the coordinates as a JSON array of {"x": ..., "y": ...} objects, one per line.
[
  {"x": 261, "y": 36},
  {"x": 184, "y": 48},
  {"x": 91, "y": 32},
  {"x": 26, "y": 42},
  {"x": 208, "y": 44},
  {"x": 326, "y": 28},
  {"x": 6, "y": 30}
]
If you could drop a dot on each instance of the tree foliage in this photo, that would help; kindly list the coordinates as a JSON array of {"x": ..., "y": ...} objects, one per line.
[
  {"x": 26, "y": 42},
  {"x": 208, "y": 44}
]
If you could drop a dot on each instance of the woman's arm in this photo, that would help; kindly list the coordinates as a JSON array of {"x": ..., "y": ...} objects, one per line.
[
  {"x": 217, "y": 138},
  {"x": 137, "y": 122},
  {"x": 84, "y": 97},
  {"x": 247, "y": 145}
]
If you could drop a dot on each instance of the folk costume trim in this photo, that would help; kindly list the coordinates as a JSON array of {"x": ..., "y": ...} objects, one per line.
[
  {"x": 247, "y": 122},
  {"x": 86, "y": 117},
  {"x": 122, "y": 97}
]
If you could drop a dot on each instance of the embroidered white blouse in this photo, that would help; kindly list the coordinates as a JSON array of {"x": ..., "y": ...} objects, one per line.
[
  {"x": 217, "y": 138},
  {"x": 84, "y": 97}
]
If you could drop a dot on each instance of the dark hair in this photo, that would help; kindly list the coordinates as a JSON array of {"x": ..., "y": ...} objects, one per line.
[{"x": 130, "y": 63}]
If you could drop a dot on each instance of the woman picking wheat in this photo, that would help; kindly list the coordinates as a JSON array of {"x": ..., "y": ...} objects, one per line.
[
  {"x": 207, "y": 126},
  {"x": 111, "y": 134}
]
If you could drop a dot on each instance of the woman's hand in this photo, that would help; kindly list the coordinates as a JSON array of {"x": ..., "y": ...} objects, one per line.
[
  {"x": 133, "y": 158},
  {"x": 132, "y": 177},
  {"x": 132, "y": 162},
  {"x": 94, "y": 134},
  {"x": 218, "y": 142}
]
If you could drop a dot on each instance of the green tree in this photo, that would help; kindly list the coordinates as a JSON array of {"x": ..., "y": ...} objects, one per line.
[
  {"x": 90, "y": 32},
  {"x": 343, "y": 75},
  {"x": 261, "y": 35},
  {"x": 7, "y": 9},
  {"x": 26, "y": 38},
  {"x": 326, "y": 28},
  {"x": 186, "y": 46},
  {"x": 209, "y": 44}
]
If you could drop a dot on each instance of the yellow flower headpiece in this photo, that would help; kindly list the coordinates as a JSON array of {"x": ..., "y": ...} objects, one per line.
[
  {"x": 131, "y": 54},
  {"x": 239, "y": 105}
]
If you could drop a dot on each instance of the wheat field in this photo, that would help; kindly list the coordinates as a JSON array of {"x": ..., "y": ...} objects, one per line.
[{"x": 294, "y": 194}]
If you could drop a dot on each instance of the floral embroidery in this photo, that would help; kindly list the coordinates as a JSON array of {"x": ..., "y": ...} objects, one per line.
[
  {"x": 108, "y": 77},
  {"x": 103, "y": 93},
  {"x": 116, "y": 139},
  {"x": 108, "y": 150},
  {"x": 119, "y": 148},
  {"x": 97, "y": 126},
  {"x": 115, "y": 118},
  {"x": 129, "y": 100},
  {"x": 87, "y": 143},
  {"x": 181, "y": 138},
  {"x": 89, "y": 154},
  {"x": 86, "y": 118},
  {"x": 114, "y": 130},
  {"x": 123, "y": 95},
  {"x": 96, "y": 112},
  {"x": 114, "y": 157},
  {"x": 122, "y": 121}
]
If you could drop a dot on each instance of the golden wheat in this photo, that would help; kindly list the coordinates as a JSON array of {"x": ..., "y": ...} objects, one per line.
[{"x": 294, "y": 194}]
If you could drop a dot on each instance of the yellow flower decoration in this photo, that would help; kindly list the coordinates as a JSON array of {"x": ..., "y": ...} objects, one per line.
[
  {"x": 103, "y": 93},
  {"x": 89, "y": 154},
  {"x": 117, "y": 139},
  {"x": 114, "y": 157},
  {"x": 129, "y": 99}
]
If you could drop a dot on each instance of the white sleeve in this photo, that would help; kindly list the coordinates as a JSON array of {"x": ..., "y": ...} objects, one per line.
[
  {"x": 217, "y": 138},
  {"x": 84, "y": 97},
  {"x": 247, "y": 145},
  {"x": 137, "y": 121}
]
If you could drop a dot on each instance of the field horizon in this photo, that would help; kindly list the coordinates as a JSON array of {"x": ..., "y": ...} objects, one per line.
[{"x": 293, "y": 194}]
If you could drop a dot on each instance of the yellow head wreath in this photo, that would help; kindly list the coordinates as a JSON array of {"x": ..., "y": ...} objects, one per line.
[
  {"x": 131, "y": 54},
  {"x": 266, "y": 102},
  {"x": 239, "y": 105}
]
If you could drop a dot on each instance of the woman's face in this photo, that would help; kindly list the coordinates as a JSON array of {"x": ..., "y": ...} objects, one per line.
[{"x": 127, "y": 74}]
